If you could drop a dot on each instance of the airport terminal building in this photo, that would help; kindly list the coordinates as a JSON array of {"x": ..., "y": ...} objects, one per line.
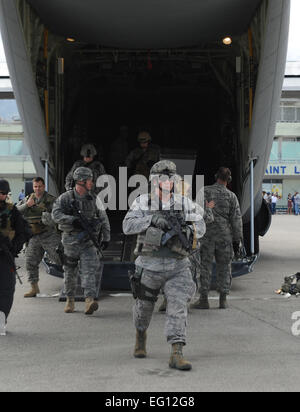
[
  {"x": 15, "y": 162},
  {"x": 283, "y": 171}
]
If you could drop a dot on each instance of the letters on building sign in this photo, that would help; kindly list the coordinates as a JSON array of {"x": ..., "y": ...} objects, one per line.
[{"x": 283, "y": 170}]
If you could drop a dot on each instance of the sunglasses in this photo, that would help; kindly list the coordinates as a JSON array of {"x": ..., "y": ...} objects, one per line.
[{"x": 2, "y": 193}]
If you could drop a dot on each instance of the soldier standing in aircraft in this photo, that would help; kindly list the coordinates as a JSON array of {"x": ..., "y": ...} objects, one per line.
[
  {"x": 80, "y": 251},
  {"x": 222, "y": 239},
  {"x": 36, "y": 209},
  {"x": 163, "y": 265},
  {"x": 141, "y": 159},
  {"x": 88, "y": 153}
]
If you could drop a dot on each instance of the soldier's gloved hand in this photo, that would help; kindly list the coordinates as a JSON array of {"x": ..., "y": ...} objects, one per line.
[
  {"x": 104, "y": 245},
  {"x": 236, "y": 247},
  {"x": 77, "y": 224},
  {"x": 160, "y": 222}
]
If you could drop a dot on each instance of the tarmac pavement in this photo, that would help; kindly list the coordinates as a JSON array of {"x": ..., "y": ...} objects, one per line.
[{"x": 249, "y": 347}]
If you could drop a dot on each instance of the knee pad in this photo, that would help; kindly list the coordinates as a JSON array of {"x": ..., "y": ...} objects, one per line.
[{"x": 145, "y": 293}]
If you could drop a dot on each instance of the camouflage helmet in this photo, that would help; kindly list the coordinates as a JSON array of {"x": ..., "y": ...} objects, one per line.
[
  {"x": 82, "y": 174},
  {"x": 88, "y": 150},
  {"x": 144, "y": 137},
  {"x": 163, "y": 167}
]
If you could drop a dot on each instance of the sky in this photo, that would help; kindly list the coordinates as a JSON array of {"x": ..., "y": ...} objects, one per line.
[
  {"x": 3, "y": 66},
  {"x": 293, "y": 47},
  {"x": 294, "y": 36}
]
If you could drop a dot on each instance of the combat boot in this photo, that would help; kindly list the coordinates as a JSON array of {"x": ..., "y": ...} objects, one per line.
[
  {"x": 202, "y": 303},
  {"x": 70, "y": 305},
  {"x": 223, "y": 301},
  {"x": 140, "y": 344},
  {"x": 33, "y": 292},
  {"x": 163, "y": 306},
  {"x": 90, "y": 306},
  {"x": 177, "y": 360}
]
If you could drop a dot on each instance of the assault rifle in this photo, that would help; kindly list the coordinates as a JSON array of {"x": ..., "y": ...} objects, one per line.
[
  {"x": 4, "y": 247},
  {"x": 87, "y": 227},
  {"x": 177, "y": 223}
]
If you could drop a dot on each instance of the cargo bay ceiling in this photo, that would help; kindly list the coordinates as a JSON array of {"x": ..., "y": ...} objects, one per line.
[
  {"x": 114, "y": 42},
  {"x": 146, "y": 24}
]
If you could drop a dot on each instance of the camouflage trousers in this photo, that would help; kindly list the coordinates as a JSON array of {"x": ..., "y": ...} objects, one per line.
[
  {"x": 222, "y": 251},
  {"x": 81, "y": 259},
  {"x": 178, "y": 288},
  {"x": 37, "y": 246}
]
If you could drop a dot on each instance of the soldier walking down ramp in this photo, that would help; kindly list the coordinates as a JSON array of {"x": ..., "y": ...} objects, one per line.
[
  {"x": 88, "y": 153},
  {"x": 142, "y": 158},
  {"x": 163, "y": 258},
  {"x": 222, "y": 239},
  {"x": 80, "y": 236},
  {"x": 36, "y": 209}
]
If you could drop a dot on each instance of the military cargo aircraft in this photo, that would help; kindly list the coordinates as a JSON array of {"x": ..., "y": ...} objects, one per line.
[{"x": 203, "y": 77}]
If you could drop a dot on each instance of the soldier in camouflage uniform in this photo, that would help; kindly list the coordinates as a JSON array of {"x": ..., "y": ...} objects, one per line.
[
  {"x": 222, "y": 239},
  {"x": 36, "y": 209},
  {"x": 79, "y": 251},
  {"x": 161, "y": 266},
  {"x": 88, "y": 152},
  {"x": 141, "y": 159}
]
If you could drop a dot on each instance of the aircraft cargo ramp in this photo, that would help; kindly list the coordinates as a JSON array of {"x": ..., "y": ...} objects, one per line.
[{"x": 249, "y": 347}]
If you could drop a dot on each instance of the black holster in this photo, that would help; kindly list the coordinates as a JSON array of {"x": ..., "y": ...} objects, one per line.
[
  {"x": 135, "y": 283},
  {"x": 138, "y": 289}
]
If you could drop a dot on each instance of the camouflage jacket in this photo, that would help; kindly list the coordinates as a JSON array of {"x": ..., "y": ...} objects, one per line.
[
  {"x": 138, "y": 220},
  {"x": 63, "y": 213},
  {"x": 34, "y": 214},
  {"x": 227, "y": 222},
  {"x": 140, "y": 162}
]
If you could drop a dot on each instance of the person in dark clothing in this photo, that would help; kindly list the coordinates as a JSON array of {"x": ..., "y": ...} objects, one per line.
[{"x": 12, "y": 238}]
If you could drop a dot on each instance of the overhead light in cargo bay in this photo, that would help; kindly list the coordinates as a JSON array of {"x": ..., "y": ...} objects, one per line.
[
  {"x": 227, "y": 40},
  {"x": 70, "y": 39}
]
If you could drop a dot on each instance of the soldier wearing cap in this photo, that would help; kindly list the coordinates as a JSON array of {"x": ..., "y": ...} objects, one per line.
[
  {"x": 80, "y": 253},
  {"x": 12, "y": 238},
  {"x": 163, "y": 265},
  {"x": 88, "y": 153},
  {"x": 221, "y": 241},
  {"x": 36, "y": 209},
  {"x": 141, "y": 159}
]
